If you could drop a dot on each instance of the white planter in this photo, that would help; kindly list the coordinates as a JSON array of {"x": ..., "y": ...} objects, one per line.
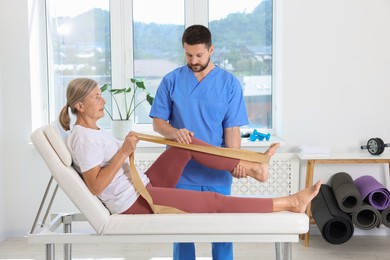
[{"x": 121, "y": 128}]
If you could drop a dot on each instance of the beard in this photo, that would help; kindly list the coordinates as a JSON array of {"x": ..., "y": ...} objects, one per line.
[{"x": 198, "y": 67}]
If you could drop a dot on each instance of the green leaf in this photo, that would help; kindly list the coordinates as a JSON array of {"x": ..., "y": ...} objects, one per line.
[
  {"x": 104, "y": 87},
  {"x": 140, "y": 84},
  {"x": 129, "y": 93},
  {"x": 117, "y": 91},
  {"x": 149, "y": 98}
]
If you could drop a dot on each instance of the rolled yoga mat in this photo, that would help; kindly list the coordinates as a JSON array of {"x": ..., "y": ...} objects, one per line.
[
  {"x": 385, "y": 217},
  {"x": 335, "y": 225},
  {"x": 347, "y": 195},
  {"x": 367, "y": 217},
  {"x": 373, "y": 192}
]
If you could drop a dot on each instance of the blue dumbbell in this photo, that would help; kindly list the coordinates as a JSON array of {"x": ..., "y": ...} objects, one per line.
[{"x": 255, "y": 135}]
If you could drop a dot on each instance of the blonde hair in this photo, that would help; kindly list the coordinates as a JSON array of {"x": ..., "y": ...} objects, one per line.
[{"x": 76, "y": 92}]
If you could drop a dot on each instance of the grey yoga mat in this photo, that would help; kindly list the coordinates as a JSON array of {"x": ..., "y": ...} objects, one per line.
[
  {"x": 347, "y": 195},
  {"x": 335, "y": 225},
  {"x": 385, "y": 217},
  {"x": 367, "y": 217}
]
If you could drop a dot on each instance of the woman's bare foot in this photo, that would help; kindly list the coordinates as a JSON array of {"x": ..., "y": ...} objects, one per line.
[
  {"x": 259, "y": 171},
  {"x": 297, "y": 202}
]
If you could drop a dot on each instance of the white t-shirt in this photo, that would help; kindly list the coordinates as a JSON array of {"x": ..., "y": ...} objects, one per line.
[{"x": 90, "y": 148}]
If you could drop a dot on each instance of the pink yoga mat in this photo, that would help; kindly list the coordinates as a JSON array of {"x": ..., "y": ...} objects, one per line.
[{"x": 373, "y": 192}]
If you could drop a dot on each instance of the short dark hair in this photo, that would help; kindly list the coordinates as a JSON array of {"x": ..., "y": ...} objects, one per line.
[{"x": 197, "y": 34}]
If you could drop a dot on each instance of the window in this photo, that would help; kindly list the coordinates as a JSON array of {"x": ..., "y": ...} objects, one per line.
[
  {"x": 242, "y": 36},
  {"x": 78, "y": 46},
  {"x": 157, "y": 43},
  {"x": 113, "y": 41}
]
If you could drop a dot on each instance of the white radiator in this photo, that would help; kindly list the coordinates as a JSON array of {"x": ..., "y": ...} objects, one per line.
[{"x": 283, "y": 176}]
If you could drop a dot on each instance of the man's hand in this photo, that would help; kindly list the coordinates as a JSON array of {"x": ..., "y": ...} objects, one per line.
[
  {"x": 239, "y": 172},
  {"x": 183, "y": 135}
]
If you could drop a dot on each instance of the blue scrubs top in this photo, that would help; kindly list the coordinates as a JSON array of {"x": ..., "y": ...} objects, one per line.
[{"x": 206, "y": 108}]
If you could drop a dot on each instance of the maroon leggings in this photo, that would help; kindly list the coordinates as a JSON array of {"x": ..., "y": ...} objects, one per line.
[{"x": 165, "y": 172}]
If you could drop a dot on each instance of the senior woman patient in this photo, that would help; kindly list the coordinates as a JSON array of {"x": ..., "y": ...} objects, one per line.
[{"x": 103, "y": 162}]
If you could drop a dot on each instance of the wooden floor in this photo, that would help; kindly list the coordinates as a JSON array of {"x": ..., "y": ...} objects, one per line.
[{"x": 358, "y": 248}]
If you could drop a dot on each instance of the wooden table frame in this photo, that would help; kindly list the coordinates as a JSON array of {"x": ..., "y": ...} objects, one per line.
[{"x": 312, "y": 161}]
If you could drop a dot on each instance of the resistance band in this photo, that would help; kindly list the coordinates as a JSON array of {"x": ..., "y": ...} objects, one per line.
[
  {"x": 139, "y": 186},
  {"x": 225, "y": 152},
  {"x": 221, "y": 151}
]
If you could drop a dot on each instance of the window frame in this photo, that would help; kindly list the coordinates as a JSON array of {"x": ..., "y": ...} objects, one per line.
[
  {"x": 121, "y": 21},
  {"x": 40, "y": 112}
]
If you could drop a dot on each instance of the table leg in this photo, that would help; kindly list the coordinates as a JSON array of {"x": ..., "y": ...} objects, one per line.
[
  {"x": 308, "y": 183},
  {"x": 387, "y": 177}
]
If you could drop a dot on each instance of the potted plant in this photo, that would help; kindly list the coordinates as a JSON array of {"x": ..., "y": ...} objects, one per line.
[{"x": 121, "y": 121}]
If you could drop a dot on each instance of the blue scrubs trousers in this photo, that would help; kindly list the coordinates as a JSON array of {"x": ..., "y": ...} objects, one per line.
[{"x": 220, "y": 251}]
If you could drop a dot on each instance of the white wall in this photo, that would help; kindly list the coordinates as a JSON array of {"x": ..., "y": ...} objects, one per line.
[
  {"x": 336, "y": 84},
  {"x": 336, "y": 79},
  {"x": 2, "y": 182},
  {"x": 336, "y": 72},
  {"x": 15, "y": 123},
  {"x": 336, "y": 75}
]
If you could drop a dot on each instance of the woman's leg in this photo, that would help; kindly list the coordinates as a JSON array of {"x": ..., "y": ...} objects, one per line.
[
  {"x": 298, "y": 201},
  {"x": 259, "y": 171},
  {"x": 256, "y": 170},
  {"x": 200, "y": 202},
  {"x": 211, "y": 202},
  {"x": 167, "y": 169}
]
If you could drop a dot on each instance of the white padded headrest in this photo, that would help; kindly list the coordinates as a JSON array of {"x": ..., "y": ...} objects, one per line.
[
  {"x": 54, "y": 152},
  {"x": 57, "y": 141}
]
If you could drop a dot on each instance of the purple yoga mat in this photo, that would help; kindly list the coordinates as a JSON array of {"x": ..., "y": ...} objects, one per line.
[{"x": 373, "y": 192}]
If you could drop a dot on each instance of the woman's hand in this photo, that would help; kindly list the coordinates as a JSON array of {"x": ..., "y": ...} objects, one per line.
[{"x": 130, "y": 143}]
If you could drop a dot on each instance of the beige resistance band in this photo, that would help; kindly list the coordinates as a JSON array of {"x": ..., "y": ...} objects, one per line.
[
  {"x": 226, "y": 152},
  {"x": 221, "y": 151},
  {"x": 139, "y": 186}
]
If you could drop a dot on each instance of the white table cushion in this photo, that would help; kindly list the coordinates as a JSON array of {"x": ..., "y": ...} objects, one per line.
[{"x": 221, "y": 223}]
